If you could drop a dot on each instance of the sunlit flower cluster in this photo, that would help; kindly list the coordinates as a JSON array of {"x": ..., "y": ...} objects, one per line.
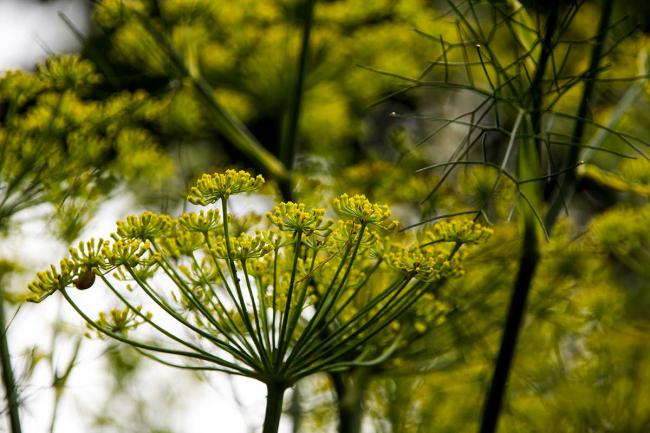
[
  {"x": 461, "y": 230},
  {"x": 211, "y": 188},
  {"x": 360, "y": 209},
  {"x": 263, "y": 297}
]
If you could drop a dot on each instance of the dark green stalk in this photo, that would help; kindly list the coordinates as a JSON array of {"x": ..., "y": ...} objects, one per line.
[
  {"x": 527, "y": 265},
  {"x": 537, "y": 90},
  {"x": 290, "y": 130},
  {"x": 274, "y": 395},
  {"x": 8, "y": 380},
  {"x": 567, "y": 186},
  {"x": 350, "y": 389}
]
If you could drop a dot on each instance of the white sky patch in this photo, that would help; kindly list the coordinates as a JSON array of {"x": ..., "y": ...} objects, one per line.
[{"x": 28, "y": 29}]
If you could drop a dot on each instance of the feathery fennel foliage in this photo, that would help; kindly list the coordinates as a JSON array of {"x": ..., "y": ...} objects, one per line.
[{"x": 521, "y": 123}]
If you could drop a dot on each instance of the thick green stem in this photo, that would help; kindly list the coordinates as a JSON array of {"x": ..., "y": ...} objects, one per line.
[
  {"x": 8, "y": 380},
  {"x": 294, "y": 410},
  {"x": 274, "y": 395}
]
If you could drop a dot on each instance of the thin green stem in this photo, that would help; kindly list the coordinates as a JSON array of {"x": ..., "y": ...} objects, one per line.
[
  {"x": 229, "y": 367},
  {"x": 256, "y": 318},
  {"x": 8, "y": 380},
  {"x": 284, "y": 319},
  {"x": 233, "y": 273},
  {"x": 290, "y": 131},
  {"x": 328, "y": 301}
]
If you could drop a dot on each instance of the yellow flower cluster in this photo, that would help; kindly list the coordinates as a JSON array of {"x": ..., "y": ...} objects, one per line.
[
  {"x": 244, "y": 48},
  {"x": 49, "y": 281},
  {"x": 89, "y": 254},
  {"x": 211, "y": 188},
  {"x": 293, "y": 217},
  {"x": 126, "y": 252},
  {"x": 424, "y": 265},
  {"x": 244, "y": 247},
  {"x": 67, "y": 148},
  {"x": 146, "y": 226},
  {"x": 68, "y": 72},
  {"x": 182, "y": 243},
  {"x": 272, "y": 290},
  {"x": 121, "y": 321},
  {"x": 202, "y": 222},
  {"x": 464, "y": 231},
  {"x": 360, "y": 209}
]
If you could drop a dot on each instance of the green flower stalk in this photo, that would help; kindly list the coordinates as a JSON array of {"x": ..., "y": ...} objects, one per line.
[{"x": 296, "y": 297}]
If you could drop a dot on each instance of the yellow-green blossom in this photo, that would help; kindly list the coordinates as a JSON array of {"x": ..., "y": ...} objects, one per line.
[
  {"x": 360, "y": 209},
  {"x": 53, "y": 279},
  {"x": 146, "y": 226},
  {"x": 121, "y": 321},
  {"x": 462, "y": 230},
  {"x": 293, "y": 217},
  {"x": 211, "y": 188},
  {"x": 424, "y": 265},
  {"x": 244, "y": 247},
  {"x": 202, "y": 222}
]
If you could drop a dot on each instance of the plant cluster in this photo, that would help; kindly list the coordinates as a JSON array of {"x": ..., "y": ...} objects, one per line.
[
  {"x": 291, "y": 299},
  {"x": 60, "y": 146}
]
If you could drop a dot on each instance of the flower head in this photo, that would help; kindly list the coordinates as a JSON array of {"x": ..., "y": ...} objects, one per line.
[
  {"x": 462, "y": 231},
  {"x": 293, "y": 217},
  {"x": 53, "y": 279},
  {"x": 202, "y": 222},
  {"x": 423, "y": 265},
  {"x": 89, "y": 254},
  {"x": 121, "y": 321},
  {"x": 145, "y": 227},
  {"x": 211, "y": 188},
  {"x": 359, "y": 208},
  {"x": 244, "y": 247},
  {"x": 126, "y": 252}
]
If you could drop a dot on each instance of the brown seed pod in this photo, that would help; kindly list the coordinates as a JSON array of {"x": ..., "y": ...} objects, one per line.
[{"x": 85, "y": 279}]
